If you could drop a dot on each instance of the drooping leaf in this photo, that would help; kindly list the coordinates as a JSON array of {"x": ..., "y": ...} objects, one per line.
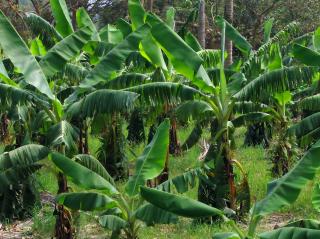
[
  {"x": 84, "y": 20},
  {"x": 61, "y": 15},
  {"x": 232, "y": 34},
  {"x": 112, "y": 222},
  {"x": 193, "y": 138},
  {"x": 62, "y": 133},
  {"x": 103, "y": 102},
  {"x": 194, "y": 110},
  {"x": 112, "y": 62},
  {"x": 311, "y": 103},
  {"x": 291, "y": 232},
  {"x": 94, "y": 165},
  {"x": 42, "y": 28},
  {"x": 86, "y": 201},
  {"x": 182, "y": 183},
  {"x": 57, "y": 57},
  {"x": 153, "y": 215},
  {"x": 177, "y": 51},
  {"x": 179, "y": 205},
  {"x": 81, "y": 175},
  {"x": 305, "y": 55},
  {"x": 15, "y": 48},
  {"x": 152, "y": 161},
  {"x": 124, "y": 27},
  {"x": 251, "y": 118},
  {"x": 305, "y": 223},
  {"x": 126, "y": 81},
  {"x": 17, "y": 165},
  {"x": 276, "y": 81},
  {"x": 164, "y": 92},
  {"x": 306, "y": 125}
]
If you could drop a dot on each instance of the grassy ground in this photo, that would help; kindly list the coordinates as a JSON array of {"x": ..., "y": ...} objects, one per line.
[{"x": 253, "y": 160}]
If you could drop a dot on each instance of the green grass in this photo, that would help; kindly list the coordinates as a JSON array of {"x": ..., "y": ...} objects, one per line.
[{"x": 253, "y": 161}]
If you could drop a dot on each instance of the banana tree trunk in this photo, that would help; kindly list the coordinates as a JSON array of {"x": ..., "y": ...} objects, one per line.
[
  {"x": 63, "y": 227},
  {"x": 229, "y": 14},
  {"x": 4, "y": 127},
  {"x": 219, "y": 189},
  {"x": 202, "y": 24}
]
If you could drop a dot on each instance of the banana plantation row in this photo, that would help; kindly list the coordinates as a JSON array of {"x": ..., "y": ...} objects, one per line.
[{"x": 66, "y": 84}]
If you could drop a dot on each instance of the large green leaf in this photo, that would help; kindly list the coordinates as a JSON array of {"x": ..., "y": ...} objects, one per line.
[
  {"x": 305, "y": 223},
  {"x": 110, "y": 34},
  {"x": 285, "y": 190},
  {"x": 61, "y": 15},
  {"x": 276, "y": 81},
  {"x": 23, "y": 155},
  {"x": 84, "y": 20},
  {"x": 232, "y": 34},
  {"x": 193, "y": 110},
  {"x": 311, "y": 103},
  {"x": 94, "y": 165},
  {"x": 62, "y": 133},
  {"x": 86, "y": 201},
  {"x": 179, "y": 205},
  {"x": 154, "y": 215},
  {"x": 15, "y": 48},
  {"x": 126, "y": 80},
  {"x": 251, "y": 118},
  {"x": 103, "y": 102},
  {"x": 137, "y": 13},
  {"x": 149, "y": 48},
  {"x": 292, "y": 233},
  {"x": 306, "y": 125},
  {"x": 42, "y": 28},
  {"x": 112, "y": 222},
  {"x": 81, "y": 175},
  {"x": 275, "y": 58},
  {"x": 151, "y": 163},
  {"x": 178, "y": 51},
  {"x": 65, "y": 50},
  {"x": 17, "y": 165},
  {"x": 193, "y": 138},
  {"x": 306, "y": 55},
  {"x": 124, "y": 27},
  {"x": 112, "y": 62},
  {"x": 182, "y": 183},
  {"x": 158, "y": 93}
]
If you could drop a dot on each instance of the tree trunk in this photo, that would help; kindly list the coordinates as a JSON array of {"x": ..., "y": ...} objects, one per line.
[
  {"x": 229, "y": 18},
  {"x": 150, "y": 5},
  {"x": 63, "y": 227},
  {"x": 202, "y": 24}
]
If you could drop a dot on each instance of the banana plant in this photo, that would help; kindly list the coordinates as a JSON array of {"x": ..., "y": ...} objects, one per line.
[
  {"x": 118, "y": 210},
  {"x": 281, "y": 192},
  {"x": 18, "y": 193}
]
